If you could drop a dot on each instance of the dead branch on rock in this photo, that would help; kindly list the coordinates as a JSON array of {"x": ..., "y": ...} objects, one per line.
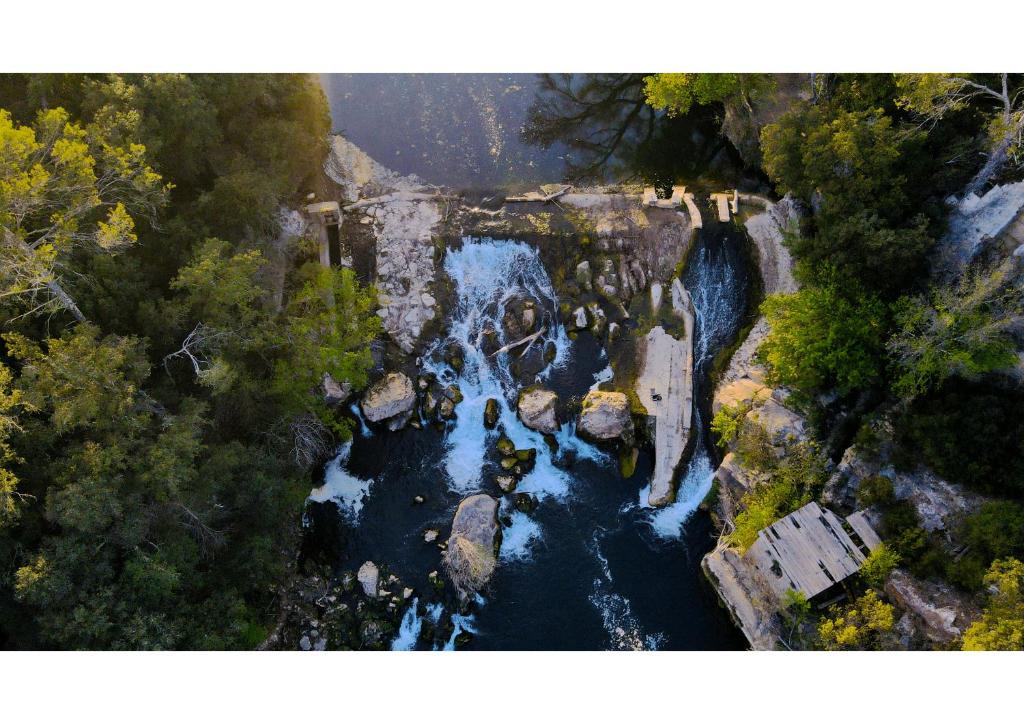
[
  {"x": 311, "y": 440},
  {"x": 524, "y": 340}
]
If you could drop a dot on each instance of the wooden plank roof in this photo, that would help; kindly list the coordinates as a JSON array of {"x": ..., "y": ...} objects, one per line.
[
  {"x": 807, "y": 551},
  {"x": 859, "y": 522}
]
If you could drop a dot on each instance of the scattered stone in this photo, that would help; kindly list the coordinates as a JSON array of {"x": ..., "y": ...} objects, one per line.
[
  {"x": 537, "y": 409},
  {"x": 600, "y": 320},
  {"x": 613, "y": 331},
  {"x": 446, "y": 409},
  {"x": 508, "y": 463},
  {"x": 579, "y": 318},
  {"x": 368, "y": 577},
  {"x": 505, "y": 446},
  {"x": 525, "y": 503},
  {"x": 431, "y": 535},
  {"x": 419, "y": 500},
  {"x": 453, "y": 393},
  {"x": 407, "y": 593},
  {"x": 656, "y": 295}
]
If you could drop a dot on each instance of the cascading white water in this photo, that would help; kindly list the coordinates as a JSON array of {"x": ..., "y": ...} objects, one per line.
[
  {"x": 712, "y": 295},
  {"x": 488, "y": 275}
]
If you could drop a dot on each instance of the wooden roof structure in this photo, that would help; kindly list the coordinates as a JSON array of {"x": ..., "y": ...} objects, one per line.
[{"x": 811, "y": 550}]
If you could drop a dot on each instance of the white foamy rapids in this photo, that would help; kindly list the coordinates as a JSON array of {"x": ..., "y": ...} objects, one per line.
[
  {"x": 517, "y": 539},
  {"x": 342, "y": 488},
  {"x": 667, "y": 522},
  {"x": 487, "y": 275},
  {"x": 409, "y": 631}
]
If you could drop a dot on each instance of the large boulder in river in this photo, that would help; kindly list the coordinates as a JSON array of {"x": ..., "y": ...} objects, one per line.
[
  {"x": 369, "y": 577},
  {"x": 471, "y": 554},
  {"x": 537, "y": 409},
  {"x": 390, "y": 397},
  {"x": 605, "y": 417}
]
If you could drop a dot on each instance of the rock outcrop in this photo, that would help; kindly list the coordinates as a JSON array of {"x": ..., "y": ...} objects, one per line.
[
  {"x": 471, "y": 553},
  {"x": 941, "y": 614},
  {"x": 605, "y": 417},
  {"x": 537, "y": 410},
  {"x": 974, "y": 223},
  {"x": 335, "y": 392},
  {"x": 391, "y": 399}
]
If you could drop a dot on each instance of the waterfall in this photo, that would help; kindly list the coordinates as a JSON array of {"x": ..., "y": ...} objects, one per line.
[
  {"x": 364, "y": 429},
  {"x": 713, "y": 287}
]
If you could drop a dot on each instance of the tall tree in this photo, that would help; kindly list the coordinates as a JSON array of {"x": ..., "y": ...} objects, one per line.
[
  {"x": 962, "y": 331},
  {"x": 931, "y": 96}
]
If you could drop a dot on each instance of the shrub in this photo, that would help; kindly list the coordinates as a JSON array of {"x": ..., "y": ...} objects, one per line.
[
  {"x": 727, "y": 422},
  {"x": 878, "y": 565},
  {"x": 795, "y": 481},
  {"x": 863, "y": 624},
  {"x": 875, "y": 490}
]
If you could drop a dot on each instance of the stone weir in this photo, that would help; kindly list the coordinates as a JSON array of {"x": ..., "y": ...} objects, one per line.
[{"x": 665, "y": 389}]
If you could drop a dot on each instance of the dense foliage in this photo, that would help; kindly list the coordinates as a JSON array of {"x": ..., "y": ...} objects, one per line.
[{"x": 163, "y": 345}]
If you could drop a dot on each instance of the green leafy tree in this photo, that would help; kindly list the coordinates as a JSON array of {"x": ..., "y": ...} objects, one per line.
[
  {"x": 962, "y": 331},
  {"x": 824, "y": 336},
  {"x": 328, "y": 326},
  {"x": 220, "y": 304},
  {"x": 878, "y": 565},
  {"x": 852, "y": 168},
  {"x": 676, "y": 93},
  {"x": 1001, "y": 626},
  {"x": 932, "y": 96},
  {"x": 64, "y": 187},
  {"x": 727, "y": 422},
  {"x": 10, "y": 402}
]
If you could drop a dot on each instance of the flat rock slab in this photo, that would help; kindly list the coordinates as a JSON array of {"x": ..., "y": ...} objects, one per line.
[{"x": 668, "y": 374}]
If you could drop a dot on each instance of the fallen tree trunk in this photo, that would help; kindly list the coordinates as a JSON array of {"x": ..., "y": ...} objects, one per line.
[{"x": 524, "y": 340}]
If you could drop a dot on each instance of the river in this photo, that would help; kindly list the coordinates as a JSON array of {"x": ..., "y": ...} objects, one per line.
[{"x": 591, "y": 567}]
